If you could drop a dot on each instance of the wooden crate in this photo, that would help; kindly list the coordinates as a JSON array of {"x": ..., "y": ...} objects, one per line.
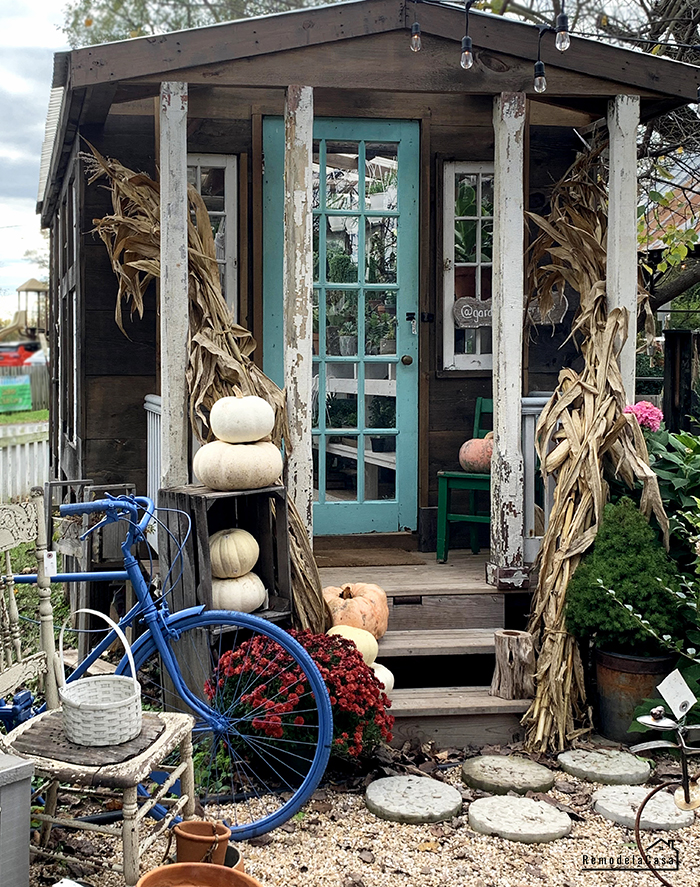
[{"x": 262, "y": 512}]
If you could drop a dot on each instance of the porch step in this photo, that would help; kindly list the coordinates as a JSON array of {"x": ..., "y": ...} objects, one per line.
[
  {"x": 456, "y": 716},
  {"x": 445, "y": 642}
]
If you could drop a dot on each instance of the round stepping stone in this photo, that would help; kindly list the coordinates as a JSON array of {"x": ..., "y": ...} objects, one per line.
[
  {"x": 499, "y": 775},
  {"x": 412, "y": 799},
  {"x": 620, "y": 804},
  {"x": 607, "y": 765},
  {"x": 518, "y": 819}
]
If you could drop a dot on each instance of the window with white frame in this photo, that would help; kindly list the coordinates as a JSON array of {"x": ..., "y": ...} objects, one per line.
[
  {"x": 215, "y": 176},
  {"x": 467, "y": 263}
]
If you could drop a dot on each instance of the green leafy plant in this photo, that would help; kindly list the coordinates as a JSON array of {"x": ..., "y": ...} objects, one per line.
[
  {"x": 382, "y": 412},
  {"x": 341, "y": 412},
  {"x": 628, "y": 559}
]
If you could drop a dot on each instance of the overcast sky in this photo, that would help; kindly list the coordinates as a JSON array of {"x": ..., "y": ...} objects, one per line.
[{"x": 28, "y": 38}]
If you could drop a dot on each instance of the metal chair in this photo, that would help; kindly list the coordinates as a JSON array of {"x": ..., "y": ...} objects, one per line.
[
  {"x": 98, "y": 774},
  {"x": 449, "y": 481}
]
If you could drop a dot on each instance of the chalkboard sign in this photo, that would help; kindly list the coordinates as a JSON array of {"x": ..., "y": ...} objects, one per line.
[
  {"x": 15, "y": 394},
  {"x": 470, "y": 313}
]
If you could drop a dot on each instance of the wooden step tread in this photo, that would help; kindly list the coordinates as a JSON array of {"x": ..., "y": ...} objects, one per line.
[
  {"x": 443, "y": 642},
  {"x": 454, "y": 701},
  {"x": 98, "y": 667}
]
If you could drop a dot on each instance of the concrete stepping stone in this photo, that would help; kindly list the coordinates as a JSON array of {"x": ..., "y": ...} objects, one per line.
[
  {"x": 620, "y": 803},
  {"x": 607, "y": 765},
  {"x": 518, "y": 819},
  {"x": 412, "y": 799},
  {"x": 499, "y": 775}
]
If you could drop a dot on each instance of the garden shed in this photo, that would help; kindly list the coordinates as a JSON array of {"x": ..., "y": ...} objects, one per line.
[{"x": 368, "y": 204}]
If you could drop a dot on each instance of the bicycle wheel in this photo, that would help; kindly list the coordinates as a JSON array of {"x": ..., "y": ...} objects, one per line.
[{"x": 263, "y": 730}]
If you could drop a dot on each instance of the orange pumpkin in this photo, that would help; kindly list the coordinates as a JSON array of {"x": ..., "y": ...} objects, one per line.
[
  {"x": 360, "y": 605},
  {"x": 475, "y": 455}
]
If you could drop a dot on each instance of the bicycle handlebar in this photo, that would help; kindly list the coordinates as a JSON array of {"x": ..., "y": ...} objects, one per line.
[{"x": 130, "y": 504}]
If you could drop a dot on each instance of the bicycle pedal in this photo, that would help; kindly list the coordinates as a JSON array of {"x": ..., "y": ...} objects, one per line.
[{"x": 694, "y": 794}]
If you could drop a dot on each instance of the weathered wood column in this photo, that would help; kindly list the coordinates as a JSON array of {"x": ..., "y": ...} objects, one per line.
[
  {"x": 298, "y": 294},
  {"x": 174, "y": 307},
  {"x": 623, "y": 120},
  {"x": 505, "y": 569}
]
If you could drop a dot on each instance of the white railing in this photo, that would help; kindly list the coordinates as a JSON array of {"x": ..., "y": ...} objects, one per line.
[
  {"x": 531, "y": 409},
  {"x": 24, "y": 459}
]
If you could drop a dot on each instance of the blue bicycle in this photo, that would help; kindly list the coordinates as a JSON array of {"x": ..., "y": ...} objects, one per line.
[{"x": 263, "y": 722}]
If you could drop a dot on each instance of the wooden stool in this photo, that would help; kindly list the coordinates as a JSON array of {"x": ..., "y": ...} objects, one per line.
[{"x": 459, "y": 480}]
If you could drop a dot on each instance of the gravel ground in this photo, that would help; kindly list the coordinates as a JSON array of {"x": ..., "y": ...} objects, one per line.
[{"x": 336, "y": 842}]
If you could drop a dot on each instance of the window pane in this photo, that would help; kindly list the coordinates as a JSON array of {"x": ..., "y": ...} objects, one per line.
[
  {"x": 314, "y": 389},
  {"x": 341, "y": 249},
  {"x": 315, "y": 176},
  {"x": 381, "y": 174},
  {"x": 465, "y": 194},
  {"x": 341, "y": 395},
  {"x": 316, "y": 247},
  {"x": 380, "y": 322},
  {"x": 487, "y": 195},
  {"x": 465, "y": 241},
  {"x": 192, "y": 176},
  {"x": 341, "y": 321},
  {"x": 380, "y": 396},
  {"x": 316, "y": 338},
  {"x": 380, "y": 249},
  {"x": 342, "y": 161},
  {"x": 465, "y": 282},
  {"x": 486, "y": 275},
  {"x": 486, "y": 241},
  {"x": 341, "y": 469},
  {"x": 380, "y": 471}
]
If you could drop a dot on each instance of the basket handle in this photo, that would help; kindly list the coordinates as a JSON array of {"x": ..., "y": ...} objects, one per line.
[{"x": 120, "y": 634}]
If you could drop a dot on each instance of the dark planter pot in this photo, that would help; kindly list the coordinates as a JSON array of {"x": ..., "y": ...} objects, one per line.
[{"x": 623, "y": 683}]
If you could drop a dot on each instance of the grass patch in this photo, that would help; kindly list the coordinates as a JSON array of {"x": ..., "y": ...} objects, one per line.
[
  {"x": 23, "y": 559},
  {"x": 24, "y": 416}
]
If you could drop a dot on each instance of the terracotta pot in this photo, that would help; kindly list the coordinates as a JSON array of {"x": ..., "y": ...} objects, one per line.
[
  {"x": 200, "y": 841},
  {"x": 196, "y": 874},
  {"x": 475, "y": 455}
]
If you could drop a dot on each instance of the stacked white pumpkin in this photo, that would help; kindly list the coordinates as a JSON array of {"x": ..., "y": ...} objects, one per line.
[
  {"x": 240, "y": 458},
  {"x": 234, "y": 586}
]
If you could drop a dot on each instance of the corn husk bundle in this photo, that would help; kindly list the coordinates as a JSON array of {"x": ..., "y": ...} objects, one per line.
[
  {"x": 219, "y": 349},
  {"x": 581, "y": 433}
]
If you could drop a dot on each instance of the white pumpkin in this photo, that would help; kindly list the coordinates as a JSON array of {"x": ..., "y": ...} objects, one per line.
[
  {"x": 241, "y": 419},
  {"x": 384, "y": 676},
  {"x": 365, "y": 641},
  {"x": 244, "y": 593},
  {"x": 225, "y": 466},
  {"x": 232, "y": 553}
]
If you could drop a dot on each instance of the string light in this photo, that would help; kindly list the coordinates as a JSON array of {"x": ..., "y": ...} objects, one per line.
[
  {"x": 562, "y": 40},
  {"x": 540, "y": 82},
  {"x": 466, "y": 59},
  {"x": 416, "y": 43}
]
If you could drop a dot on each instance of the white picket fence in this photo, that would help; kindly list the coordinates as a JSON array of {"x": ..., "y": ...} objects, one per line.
[{"x": 24, "y": 459}]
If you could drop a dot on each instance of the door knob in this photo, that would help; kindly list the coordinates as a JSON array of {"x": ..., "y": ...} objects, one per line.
[{"x": 407, "y": 360}]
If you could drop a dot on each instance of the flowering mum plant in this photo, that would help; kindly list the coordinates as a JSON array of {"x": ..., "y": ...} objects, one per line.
[
  {"x": 648, "y": 416},
  {"x": 260, "y": 683}
]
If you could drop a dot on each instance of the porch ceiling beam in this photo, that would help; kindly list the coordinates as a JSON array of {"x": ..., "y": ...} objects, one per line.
[
  {"x": 174, "y": 306},
  {"x": 298, "y": 294},
  {"x": 623, "y": 120},
  {"x": 505, "y": 568}
]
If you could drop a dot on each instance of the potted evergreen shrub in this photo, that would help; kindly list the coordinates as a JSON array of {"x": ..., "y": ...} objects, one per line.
[{"x": 628, "y": 558}]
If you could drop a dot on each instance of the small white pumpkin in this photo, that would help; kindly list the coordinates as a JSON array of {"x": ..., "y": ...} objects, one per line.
[
  {"x": 225, "y": 466},
  {"x": 244, "y": 593},
  {"x": 232, "y": 553},
  {"x": 241, "y": 419},
  {"x": 384, "y": 676},
  {"x": 365, "y": 642}
]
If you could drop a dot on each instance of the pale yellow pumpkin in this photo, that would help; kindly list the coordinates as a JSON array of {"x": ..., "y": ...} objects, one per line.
[
  {"x": 359, "y": 604},
  {"x": 241, "y": 419},
  {"x": 365, "y": 642},
  {"x": 384, "y": 676},
  {"x": 225, "y": 466},
  {"x": 244, "y": 593},
  {"x": 232, "y": 553}
]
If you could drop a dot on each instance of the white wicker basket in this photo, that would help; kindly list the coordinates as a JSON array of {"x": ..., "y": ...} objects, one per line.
[{"x": 102, "y": 710}]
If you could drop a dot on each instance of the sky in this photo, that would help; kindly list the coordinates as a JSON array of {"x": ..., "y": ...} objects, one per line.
[{"x": 28, "y": 38}]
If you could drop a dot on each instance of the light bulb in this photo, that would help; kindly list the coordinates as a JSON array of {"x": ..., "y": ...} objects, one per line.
[
  {"x": 467, "y": 58},
  {"x": 415, "y": 37},
  {"x": 540, "y": 80},
  {"x": 562, "y": 41}
]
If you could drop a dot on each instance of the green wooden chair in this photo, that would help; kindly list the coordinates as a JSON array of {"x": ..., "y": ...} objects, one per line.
[{"x": 462, "y": 480}]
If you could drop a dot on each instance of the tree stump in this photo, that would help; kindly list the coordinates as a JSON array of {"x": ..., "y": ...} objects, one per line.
[{"x": 514, "y": 675}]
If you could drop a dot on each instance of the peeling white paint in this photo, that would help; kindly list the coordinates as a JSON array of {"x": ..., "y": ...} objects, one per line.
[
  {"x": 298, "y": 294},
  {"x": 623, "y": 120}
]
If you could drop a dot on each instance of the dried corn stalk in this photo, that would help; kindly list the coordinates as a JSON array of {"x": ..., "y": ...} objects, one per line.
[
  {"x": 219, "y": 349},
  {"x": 581, "y": 433}
]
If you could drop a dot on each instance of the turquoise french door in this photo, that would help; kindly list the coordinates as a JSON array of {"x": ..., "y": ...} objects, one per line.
[{"x": 365, "y": 310}]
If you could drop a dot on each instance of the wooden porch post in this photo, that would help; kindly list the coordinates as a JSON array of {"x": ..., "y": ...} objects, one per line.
[
  {"x": 623, "y": 120},
  {"x": 298, "y": 294},
  {"x": 505, "y": 569},
  {"x": 174, "y": 305}
]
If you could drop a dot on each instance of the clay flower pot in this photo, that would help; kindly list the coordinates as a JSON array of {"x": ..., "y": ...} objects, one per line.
[
  {"x": 196, "y": 874},
  {"x": 200, "y": 841}
]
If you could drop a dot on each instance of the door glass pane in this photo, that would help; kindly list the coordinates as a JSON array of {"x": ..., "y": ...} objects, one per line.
[
  {"x": 341, "y": 395},
  {"x": 380, "y": 322},
  {"x": 486, "y": 195},
  {"x": 465, "y": 241},
  {"x": 465, "y": 194},
  {"x": 316, "y": 328},
  {"x": 316, "y": 228},
  {"x": 381, "y": 176},
  {"x": 341, "y": 249},
  {"x": 380, "y": 249},
  {"x": 341, "y": 320},
  {"x": 380, "y": 467},
  {"x": 212, "y": 187},
  {"x": 380, "y": 395},
  {"x": 341, "y": 469},
  {"x": 342, "y": 162},
  {"x": 316, "y": 176},
  {"x": 486, "y": 241}
]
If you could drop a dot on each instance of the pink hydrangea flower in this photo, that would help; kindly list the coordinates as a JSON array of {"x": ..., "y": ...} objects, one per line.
[{"x": 647, "y": 415}]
